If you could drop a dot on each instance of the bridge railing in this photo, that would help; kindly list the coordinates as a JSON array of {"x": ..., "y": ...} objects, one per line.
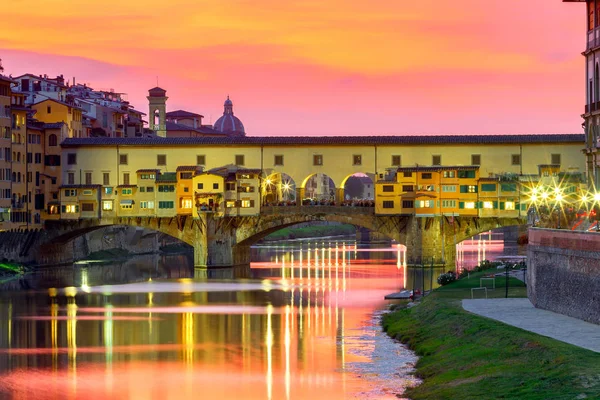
[{"x": 290, "y": 210}]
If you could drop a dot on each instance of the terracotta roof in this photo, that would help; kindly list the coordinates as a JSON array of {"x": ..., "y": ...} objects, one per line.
[
  {"x": 148, "y": 170},
  {"x": 80, "y": 186},
  {"x": 182, "y": 114},
  {"x": 53, "y": 125},
  {"x": 437, "y": 168},
  {"x": 327, "y": 140},
  {"x": 126, "y": 186},
  {"x": 60, "y": 102},
  {"x": 186, "y": 168}
]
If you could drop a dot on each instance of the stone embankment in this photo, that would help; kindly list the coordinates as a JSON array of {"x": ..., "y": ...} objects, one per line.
[
  {"x": 39, "y": 247},
  {"x": 564, "y": 272}
]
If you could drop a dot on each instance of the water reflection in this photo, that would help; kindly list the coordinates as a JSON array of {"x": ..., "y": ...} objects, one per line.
[
  {"x": 486, "y": 246},
  {"x": 284, "y": 329}
]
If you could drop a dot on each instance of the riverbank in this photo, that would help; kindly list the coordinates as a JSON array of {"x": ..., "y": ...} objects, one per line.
[
  {"x": 465, "y": 356},
  {"x": 315, "y": 231}
]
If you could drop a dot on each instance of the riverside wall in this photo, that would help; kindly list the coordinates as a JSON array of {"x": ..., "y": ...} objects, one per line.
[{"x": 564, "y": 272}]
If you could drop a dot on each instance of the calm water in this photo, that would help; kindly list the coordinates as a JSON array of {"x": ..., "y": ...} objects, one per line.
[{"x": 301, "y": 323}]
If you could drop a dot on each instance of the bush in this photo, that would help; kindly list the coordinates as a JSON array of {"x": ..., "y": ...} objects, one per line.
[{"x": 446, "y": 278}]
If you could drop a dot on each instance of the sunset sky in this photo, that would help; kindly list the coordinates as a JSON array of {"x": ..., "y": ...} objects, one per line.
[{"x": 320, "y": 67}]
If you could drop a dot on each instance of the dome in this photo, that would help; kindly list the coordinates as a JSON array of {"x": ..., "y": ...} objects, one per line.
[{"x": 229, "y": 123}]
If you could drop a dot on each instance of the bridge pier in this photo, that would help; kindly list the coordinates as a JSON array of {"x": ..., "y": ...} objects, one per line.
[
  {"x": 214, "y": 247},
  {"x": 427, "y": 241}
]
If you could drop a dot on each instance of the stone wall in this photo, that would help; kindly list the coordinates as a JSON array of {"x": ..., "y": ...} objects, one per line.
[{"x": 564, "y": 272}]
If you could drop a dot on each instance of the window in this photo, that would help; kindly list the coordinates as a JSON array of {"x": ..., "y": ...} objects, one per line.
[
  {"x": 508, "y": 187},
  {"x": 127, "y": 191},
  {"x": 230, "y": 204},
  {"x": 186, "y": 203},
  {"x": 245, "y": 176},
  {"x": 388, "y": 204},
  {"x": 70, "y": 192},
  {"x": 126, "y": 205},
  {"x": 515, "y": 159},
  {"x": 388, "y": 188},
  {"x": 408, "y": 188},
  {"x": 52, "y": 140},
  {"x": 239, "y": 159},
  {"x": 278, "y": 160},
  {"x": 230, "y": 186},
  {"x": 201, "y": 159},
  {"x": 317, "y": 159},
  {"x": 449, "y": 188},
  {"x": 161, "y": 159},
  {"x": 165, "y": 204},
  {"x": 88, "y": 178},
  {"x": 87, "y": 207},
  {"x": 71, "y": 159},
  {"x": 488, "y": 205},
  {"x": 71, "y": 208},
  {"x": 469, "y": 205},
  {"x": 247, "y": 203},
  {"x": 147, "y": 205},
  {"x": 29, "y": 158},
  {"x": 466, "y": 174},
  {"x": 108, "y": 190},
  {"x": 166, "y": 188},
  {"x": 49, "y": 108},
  {"x": 509, "y": 205},
  {"x": 408, "y": 204},
  {"x": 147, "y": 176},
  {"x": 468, "y": 188},
  {"x": 408, "y": 174},
  {"x": 185, "y": 175},
  {"x": 426, "y": 175},
  {"x": 107, "y": 205},
  {"x": 142, "y": 189},
  {"x": 200, "y": 186},
  {"x": 424, "y": 204},
  {"x": 475, "y": 159},
  {"x": 70, "y": 178},
  {"x": 125, "y": 178},
  {"x": 555, "y": 158},
  {"x": 396, "y": 160},
  {"x": 106, "y": 178},
  {"x": 245, "y": 189},
  {"x": 436, "y": 160},
  {"x": 356, "y": 159},
  {"x": 488, "y": 187},
  {"x": 449, "y": 203},
  {"x": 215, "y": 185},
  {"x": 123, "y": 159}
]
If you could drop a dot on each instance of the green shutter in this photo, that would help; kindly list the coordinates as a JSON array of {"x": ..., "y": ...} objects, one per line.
[
  {"x": 461, "y": 205},
  {"x": 488, "y": 187},
  {"x": 517, "y": 206},
  {"x": 77, "y": 208},
  {"x": 495, "y": 205},
  {"x": 464, "y": 189},
  {"x": 502, "y": 205},
  {"x": 64, "y": 209}
]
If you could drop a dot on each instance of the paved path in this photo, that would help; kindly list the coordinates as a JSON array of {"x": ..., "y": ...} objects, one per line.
[{"x": 522, "y": 314}]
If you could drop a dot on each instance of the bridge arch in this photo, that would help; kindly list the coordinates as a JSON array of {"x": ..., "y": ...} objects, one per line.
[{"x": 278, "y": 187}]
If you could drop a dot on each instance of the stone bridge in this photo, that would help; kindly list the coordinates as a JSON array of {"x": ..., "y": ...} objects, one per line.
[{"x": 226, "y": 241}]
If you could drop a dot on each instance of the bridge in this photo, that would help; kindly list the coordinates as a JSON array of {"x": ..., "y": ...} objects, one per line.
[{"x": 226, "y": 241}]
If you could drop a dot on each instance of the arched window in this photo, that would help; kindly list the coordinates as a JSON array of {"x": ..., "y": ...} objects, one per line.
[
  {"x": 19, "y": 138},
  {"x": 156, "y": 118},
  {"x": 18, "y": 157},
  {"x": 52, "y": 141}
]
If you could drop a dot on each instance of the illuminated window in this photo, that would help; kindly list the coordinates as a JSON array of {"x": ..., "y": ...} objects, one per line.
[
  {"x": 470, "y": 205},
  {"x": 71, "y": 208},
  {"x": 509, "y": 205},
  {"x": 147, "y": 205},
  {"x": 247, "y": 203},
  {"x": 107, "y": 205},
  {"x": 186, "y": 203},
  {"x": 488, "y": 205},
  {"x": 230, "y": 204},
  {"x": 424, "y": 203},
  {"x": 449, "y": 174}
]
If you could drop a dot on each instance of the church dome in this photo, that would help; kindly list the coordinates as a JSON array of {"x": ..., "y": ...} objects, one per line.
[{"x": 229, "y": 123}]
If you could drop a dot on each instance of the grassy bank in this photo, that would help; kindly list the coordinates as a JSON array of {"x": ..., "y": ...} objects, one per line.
[
  {"x": 311, "y": 231},
  {"x": 464, "y": 356}
]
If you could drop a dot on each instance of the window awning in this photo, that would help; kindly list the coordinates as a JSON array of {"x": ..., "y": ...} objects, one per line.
[{"x": 126, "y": 202}]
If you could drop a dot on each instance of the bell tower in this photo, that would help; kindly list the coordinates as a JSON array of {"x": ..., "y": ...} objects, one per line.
[{"x": 157, "y": 99}]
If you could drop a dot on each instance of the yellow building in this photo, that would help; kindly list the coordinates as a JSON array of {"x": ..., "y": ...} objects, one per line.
[
  {"x": 228, "y": 191},
  {"x": 51, "y": 111},
  {"x": 184, "y": 192},
  {"x": 80, "y": 201}
]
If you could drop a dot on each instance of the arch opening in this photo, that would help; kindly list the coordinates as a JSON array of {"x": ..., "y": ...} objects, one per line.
[
  {"x": 358, "y": 190},
  {"x": 278, "y": 189},
  {"x": 318, "y": 189}
]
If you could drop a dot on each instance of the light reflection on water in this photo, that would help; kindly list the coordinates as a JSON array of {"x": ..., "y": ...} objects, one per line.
[{"x": 283, "y": 329}]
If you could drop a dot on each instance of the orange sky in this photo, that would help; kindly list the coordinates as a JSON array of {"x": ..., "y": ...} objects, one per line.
[{"x": 315, "y": 67}]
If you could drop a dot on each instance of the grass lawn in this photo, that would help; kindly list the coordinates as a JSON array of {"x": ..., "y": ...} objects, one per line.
[{"x": 464, "y": 356}]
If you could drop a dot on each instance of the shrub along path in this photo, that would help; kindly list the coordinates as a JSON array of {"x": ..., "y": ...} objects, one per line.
[{"x": 465, "y": 356}]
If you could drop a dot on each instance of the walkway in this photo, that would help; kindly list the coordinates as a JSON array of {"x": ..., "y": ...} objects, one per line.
[{"x": 522, "y": 314}]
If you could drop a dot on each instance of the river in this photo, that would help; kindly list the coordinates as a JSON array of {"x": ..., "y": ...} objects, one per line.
[{"x": 301, "y": 322}]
